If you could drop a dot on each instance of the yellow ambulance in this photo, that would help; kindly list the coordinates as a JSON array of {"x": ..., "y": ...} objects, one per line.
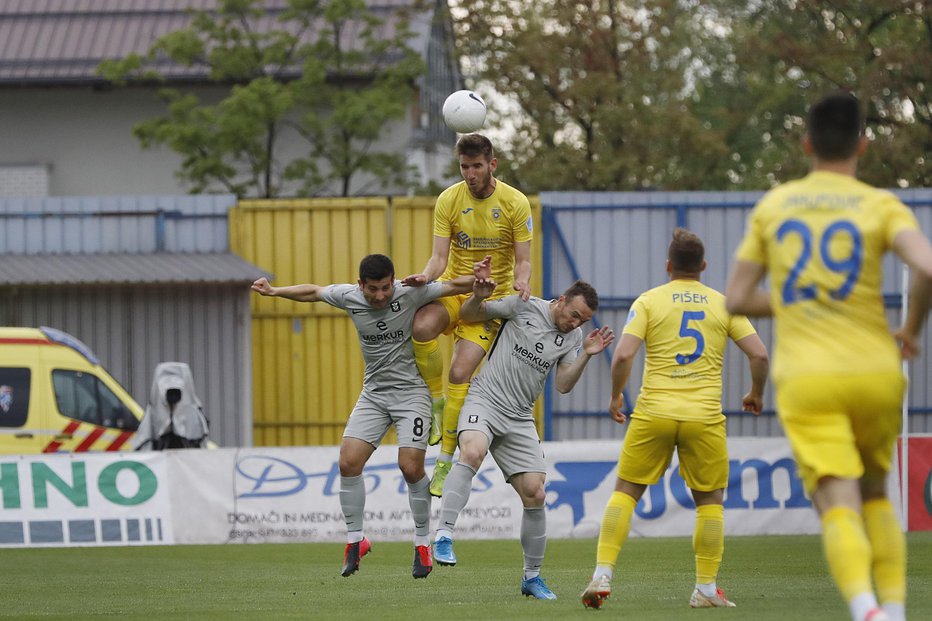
[{"x": 55, "y": 397}]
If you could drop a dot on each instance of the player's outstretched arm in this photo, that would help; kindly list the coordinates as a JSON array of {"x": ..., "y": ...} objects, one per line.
[
  {"x": 759, "y": 363},
  {"x": 742, "y": 296},
  {"x": 595, "y": 342},
  {"x": 298, "y": 293},
  {"x": 914, "y": 249},
  {"x": 460, "y": 285},
  {"x": 436, "y": 264},
  {"x": 523, "y": 269},
  {"x": 621, "y": 370},
  {"x": 473, "y": 309}
]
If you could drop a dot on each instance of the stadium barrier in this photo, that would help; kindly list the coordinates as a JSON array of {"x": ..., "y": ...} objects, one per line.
[{"x": 287, "y": 495}]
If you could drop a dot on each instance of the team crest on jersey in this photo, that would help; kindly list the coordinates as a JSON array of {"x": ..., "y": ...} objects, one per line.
[
  {"x": 473, "y": 418},
  {"x": 558, "y": 340},
  {"x": 396, "y": 306},
  {"x": 496, "y": 213},
  {"x": 631, "y": 315}
]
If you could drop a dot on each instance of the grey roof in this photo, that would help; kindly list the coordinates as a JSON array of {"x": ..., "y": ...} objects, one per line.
[
  {"x": 55, "y": 42},
  {"x": 118, "y": 269}
]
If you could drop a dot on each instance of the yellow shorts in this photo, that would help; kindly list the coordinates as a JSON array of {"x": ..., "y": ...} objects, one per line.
[
  {"x": 841, "y": 426},
  {"x": 482, "y": 334},
  {"x": 701, "y": 446}
]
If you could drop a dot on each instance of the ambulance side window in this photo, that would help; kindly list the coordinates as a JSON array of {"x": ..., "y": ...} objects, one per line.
[
  {"x": 84, "y": 397},
  {"x": 14, "y": 396}
]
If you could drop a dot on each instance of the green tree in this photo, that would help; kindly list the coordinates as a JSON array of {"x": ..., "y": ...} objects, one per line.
[
  {"x": 327, "y": 74},
  {"x": 690, "y": 95},
  {"x": 796, "y": 50},
  {"x": 603, "y": 87}
]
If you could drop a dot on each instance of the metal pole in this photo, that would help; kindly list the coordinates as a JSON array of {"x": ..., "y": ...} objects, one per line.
[{"x": 904, "y": 447}]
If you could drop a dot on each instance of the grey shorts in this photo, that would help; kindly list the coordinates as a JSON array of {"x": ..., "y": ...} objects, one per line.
[
  {"x": 375, "y": 412},
  {"x": 513, "y": 441}
]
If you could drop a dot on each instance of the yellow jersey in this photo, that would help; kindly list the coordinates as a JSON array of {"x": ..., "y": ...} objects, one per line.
[
  {"x": 480, "y": 226},
  {"x": 685, "y": 328},
  {"x": 822, "y": 239}
]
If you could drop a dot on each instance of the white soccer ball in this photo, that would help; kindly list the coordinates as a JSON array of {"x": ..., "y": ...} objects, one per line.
[{"x": 464, "y": 112}]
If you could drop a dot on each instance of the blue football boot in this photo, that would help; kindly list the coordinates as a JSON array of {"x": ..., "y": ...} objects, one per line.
[
  {"x": 536, "y": 587},
  {"x": 443, "y": 552}
]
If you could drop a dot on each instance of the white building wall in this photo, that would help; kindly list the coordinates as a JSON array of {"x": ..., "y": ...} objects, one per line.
[{"x": 83, "y": 138}]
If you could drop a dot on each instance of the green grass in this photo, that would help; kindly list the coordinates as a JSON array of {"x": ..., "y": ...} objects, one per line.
[{"x": 768, "y": 577}]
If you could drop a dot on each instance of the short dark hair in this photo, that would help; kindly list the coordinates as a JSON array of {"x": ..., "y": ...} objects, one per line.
[
  {"x": 375, "y": 267},
  {"x": 835, "y": 126},
  {"x": 587, "y": 291},
  {"x": 472, "y": 145},
  {"x": 686, "y": 252}
]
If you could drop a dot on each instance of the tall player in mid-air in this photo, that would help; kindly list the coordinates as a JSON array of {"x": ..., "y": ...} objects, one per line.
[
  {"x": 478, "y": 216},
  {"x": 837, "y": 372}
]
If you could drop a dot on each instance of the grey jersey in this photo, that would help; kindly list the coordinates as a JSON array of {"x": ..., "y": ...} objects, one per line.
[
  {"x": 385, "y": 334},
  {"x": 527, "y": 348}
]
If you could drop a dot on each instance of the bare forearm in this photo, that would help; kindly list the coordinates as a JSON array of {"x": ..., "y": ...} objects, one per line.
[
  {"x": 458, "y": 285},
  {"x": 522, "y": 271},
  {"x": 435, "y": 267},
  {"x": 473, "y": 310},
  {"x": 754, "y": 304},
  {"x": 742, "y": 295},
  {"x": 298, "y": 293},
  {"x": 569, "y": 374},
  {"x": 759, "y": 368},
  {"x": 920, "y": 294},
  {"x": 621, "y": 371}
]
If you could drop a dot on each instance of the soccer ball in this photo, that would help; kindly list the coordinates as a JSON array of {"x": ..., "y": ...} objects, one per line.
[{"x": 464, "y": 112}]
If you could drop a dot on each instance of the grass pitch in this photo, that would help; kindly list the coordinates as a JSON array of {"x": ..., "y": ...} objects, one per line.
[{"x": 768, "y": 577}]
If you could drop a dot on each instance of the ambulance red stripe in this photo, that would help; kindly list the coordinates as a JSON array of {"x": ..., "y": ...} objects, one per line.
[
  {"x": 14, "y": 341},
  {"x": 120, "y": 441},
  {"x": 54, "y": 445},
  {"x": 89, "y": 440}
]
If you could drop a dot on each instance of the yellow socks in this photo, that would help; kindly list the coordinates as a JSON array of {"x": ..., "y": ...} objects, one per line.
[
  {"x": 709, "y": 542},
  {"x": 889, "y": 550},
  {"x": 847, "y": 551},
  {"x": 616, "y": 522},
  {"x": 456, "y": 394},
  {"x": 430, "y": 365}
]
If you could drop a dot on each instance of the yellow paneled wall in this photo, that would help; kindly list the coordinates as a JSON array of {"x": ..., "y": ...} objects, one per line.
[{"x": 307, "y": 367}]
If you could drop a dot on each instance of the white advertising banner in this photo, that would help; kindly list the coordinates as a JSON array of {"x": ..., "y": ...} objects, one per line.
[
  {"x": 85, "y": 499},
  {"x": 292, "y": 495}
]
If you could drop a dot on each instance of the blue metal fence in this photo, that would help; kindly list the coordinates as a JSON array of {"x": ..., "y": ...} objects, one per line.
[{"x": 618, "y": 242}]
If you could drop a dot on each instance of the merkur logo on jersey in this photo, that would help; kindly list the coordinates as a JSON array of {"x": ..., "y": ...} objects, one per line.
[
  {"x": 531, "y": 358},
  {"x": 395, "y": 336}
]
